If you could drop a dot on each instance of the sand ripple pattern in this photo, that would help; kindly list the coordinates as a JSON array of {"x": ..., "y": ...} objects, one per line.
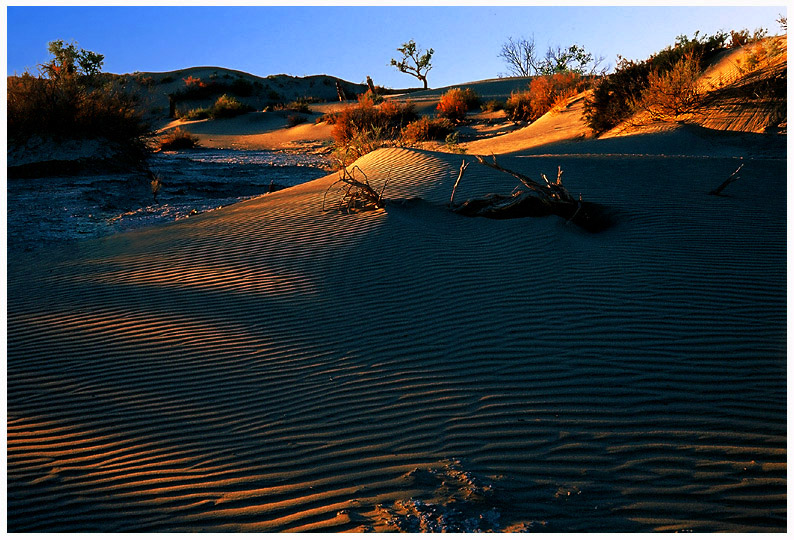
[{"x": 271, "y": 367}]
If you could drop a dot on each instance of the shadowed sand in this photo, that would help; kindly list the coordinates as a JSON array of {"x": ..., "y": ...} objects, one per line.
[{"x": 273, "y": 367}]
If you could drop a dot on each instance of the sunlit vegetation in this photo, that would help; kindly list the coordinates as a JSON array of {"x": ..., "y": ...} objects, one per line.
[
  {"x": 427, "y": 129},
  {"x": 616, "y": 95},
  {"x": 455, "y": 103},
  {"x": 225, "y": 107},
  {"x": 544, "y": 94},
  {"x": 361, "y": 128}
]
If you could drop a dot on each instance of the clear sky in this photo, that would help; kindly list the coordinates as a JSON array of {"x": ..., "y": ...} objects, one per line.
[{"x": 352, "y": 42}]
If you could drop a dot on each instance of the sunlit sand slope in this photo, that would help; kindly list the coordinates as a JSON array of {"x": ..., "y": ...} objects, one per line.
[{"x": 274, "y": 367}]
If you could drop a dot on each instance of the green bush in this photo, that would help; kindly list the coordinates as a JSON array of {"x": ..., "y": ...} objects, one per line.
[
  {"x": 194, "y": 114},
  {"x": 227, "y": 107}
]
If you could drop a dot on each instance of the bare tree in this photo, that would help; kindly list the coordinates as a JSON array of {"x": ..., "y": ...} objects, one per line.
[
  {"x": 520, "y": 56},
  {"x": 414, "y": 62}
]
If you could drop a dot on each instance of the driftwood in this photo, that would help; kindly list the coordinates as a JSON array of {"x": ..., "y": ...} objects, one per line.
[
  {"x": 356, "y": 195},
  {"x": 538, "y": 200},
  {"x": 732, "y": 178}
]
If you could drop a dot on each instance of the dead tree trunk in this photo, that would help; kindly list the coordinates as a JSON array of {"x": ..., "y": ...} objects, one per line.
[
  {"x": 371, "y": 85},
  {"x": 340, "y": 92},
  {"x": 538, "y": 201}
]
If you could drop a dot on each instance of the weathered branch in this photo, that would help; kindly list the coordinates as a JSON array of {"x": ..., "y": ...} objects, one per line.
[
  {"x": 732, "y": 178},
  {"x": 358, "y": 194},
  {"x": 455, "y": 187},
  {"x": 541, "y": 200}
]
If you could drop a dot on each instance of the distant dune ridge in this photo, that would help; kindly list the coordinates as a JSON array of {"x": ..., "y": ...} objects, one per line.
[{"x": 272, "y": 367}]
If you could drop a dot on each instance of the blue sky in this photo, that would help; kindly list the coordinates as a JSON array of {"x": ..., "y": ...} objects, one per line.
[{"x": 352, "y": 42}]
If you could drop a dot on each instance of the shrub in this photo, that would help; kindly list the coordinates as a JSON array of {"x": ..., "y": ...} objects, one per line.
[
  {"x": 671, "y": 93},
  {"x": 295, "y": 119},
  {"x": 426, "y": 129},
  {"x": 493, "y": 106},
  {"x": 227, "y": 107},
  {"x": 299, "y": 105},
  {"x": 361, "y": 128},
  {"x": 615, "y": 95},
  {"x": 71, "y": 108},
  {"x": 544, "y": 93},
  {"x": 178, "y": 139},
  {"x": 456, "y": 103},
  {"x": 194, "y": 114},
  {"x": 743, "y": 37}
]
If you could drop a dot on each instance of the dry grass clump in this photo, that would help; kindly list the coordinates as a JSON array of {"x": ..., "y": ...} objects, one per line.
[
  {"x": 178, "y": 139},
  {"x": 456, "y": 103}
]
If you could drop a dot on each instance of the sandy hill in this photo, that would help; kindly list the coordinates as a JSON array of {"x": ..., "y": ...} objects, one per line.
[
  {"x": 741, "y": 87},
  {"x": 154, "y": 88}
]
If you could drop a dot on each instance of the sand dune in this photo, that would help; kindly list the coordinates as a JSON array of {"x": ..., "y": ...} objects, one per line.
[{"x": 273, "y": 367}]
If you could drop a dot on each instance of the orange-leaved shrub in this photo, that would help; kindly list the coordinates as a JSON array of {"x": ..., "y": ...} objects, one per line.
[
  {"x": 544, "y": 93},
  {"x": 359, "y": 129},
  {"x": 456, "y": 103},
  {"x": 427, "y": 129},
  {"x": 674, "y": 92}
]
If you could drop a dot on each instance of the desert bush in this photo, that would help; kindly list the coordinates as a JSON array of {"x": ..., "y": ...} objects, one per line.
[
  {"x": 299, "y": 106},
  {"x": 359, "y": 129},
  {"x": 167, "y": 79},
  {"x": 544, "y": 93},
  {"x": 454, "y": 104},
  {"x": 673, "y": 92},
  {"x": 224, "y": 107},
  {"x": 69, "y": 108},
  {"x": 295, "y": 119},
  {"x": 426, "y": 129},
  {"x": 614, "y": 96},
  {"x": 227, "y": 107},
  {"x": 493, "y": 106},
  {"x": 178, "y": 139},
  {"x": 194, "y": 114},
  {"x": 739, "y": 38},
  {"x": 762, "y": 53}
]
